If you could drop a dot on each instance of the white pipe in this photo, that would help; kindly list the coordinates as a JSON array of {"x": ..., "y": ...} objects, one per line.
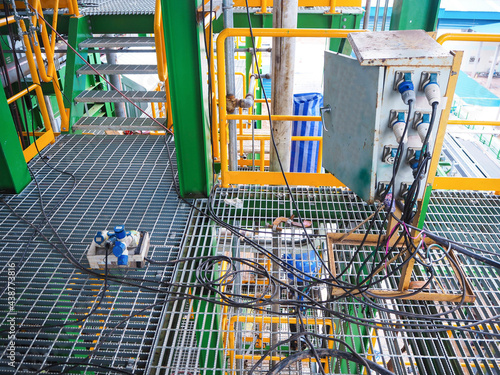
[
  {"x": 283, "y": 69},
  {"x": 227, "y": 7}
]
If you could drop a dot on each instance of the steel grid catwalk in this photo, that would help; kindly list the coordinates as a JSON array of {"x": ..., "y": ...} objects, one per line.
[
  {"x": 120, "y": 180},
  {"x": 116, "y": 7},
  {"x": 231, "y": 340}
]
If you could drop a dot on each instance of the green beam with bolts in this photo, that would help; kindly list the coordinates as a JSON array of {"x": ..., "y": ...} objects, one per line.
[{"x": 184, "y": 45}]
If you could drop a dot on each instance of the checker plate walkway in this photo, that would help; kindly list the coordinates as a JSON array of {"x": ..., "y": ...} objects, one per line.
[{"x": 120, "y": 180}]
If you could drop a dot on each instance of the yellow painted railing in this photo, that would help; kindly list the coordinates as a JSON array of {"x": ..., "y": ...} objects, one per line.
[
  {"x": 466, "y": 183},
  {"x": 48, "y": 136},
  {"x": 331, "y": 4},
  {"x": 161, "y": 58},
  {"x": 259, "y": 321},
  {"x": 220, "y": 135},
  {"x": 261, "y": 177},
  {"x": 39, "y": 72}
]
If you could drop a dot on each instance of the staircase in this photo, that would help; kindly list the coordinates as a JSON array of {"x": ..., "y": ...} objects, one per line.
[{"x": 94, "y": 118}]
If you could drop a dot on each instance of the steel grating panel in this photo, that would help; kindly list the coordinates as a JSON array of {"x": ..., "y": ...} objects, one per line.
[
  {"x": 119, "y": 123},
  {"x": 118, "y": 42},
  {"x": 116, "y": 7},
  {"x": 232, "y": 348},
  {"x": 119, "y": 180},
  {"x": 100, "y": 96},
  {"x": 117, "y": 69}
]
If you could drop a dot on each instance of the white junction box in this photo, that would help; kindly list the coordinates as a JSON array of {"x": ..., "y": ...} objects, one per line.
[
  {"x": 359, "y": 141},
  {"x": 96, "y": 254}
]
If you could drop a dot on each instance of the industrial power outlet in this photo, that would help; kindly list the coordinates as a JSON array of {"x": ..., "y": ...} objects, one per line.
[
  {"x": 425, "y": 78},
  {"x": 403, "y": 192},
  {"x": 390, "y": 153},
  {"x": 369, "y": 98},
  {"x": 400, "y": 76},
  {"x": 96, "y": 255}
]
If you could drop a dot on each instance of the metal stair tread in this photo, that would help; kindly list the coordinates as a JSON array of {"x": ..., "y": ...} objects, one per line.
[
  {"x": 100, "y": 96},
  {"x": 117, "y": 42},
  {"x": 118, "y": 69},
  {"x": 119, "y": 123}
]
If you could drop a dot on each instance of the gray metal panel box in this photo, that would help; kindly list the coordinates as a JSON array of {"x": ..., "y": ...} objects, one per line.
[
  {"x": 363, "y": 99},
  {"x": 349, "y": 139}
]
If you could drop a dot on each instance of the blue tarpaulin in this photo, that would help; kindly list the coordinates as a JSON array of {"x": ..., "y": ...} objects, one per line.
[{"x": 304, "y": 156}]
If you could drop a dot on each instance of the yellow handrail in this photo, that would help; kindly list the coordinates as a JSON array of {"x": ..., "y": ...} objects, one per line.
[
  {"x": 240, "y": 177},
  {"x": 161, "y": 58},
  {"x": 468, "y": 37},
  {"x": 7, "y": 20},
  {"x": 48, "y": 74},
  {"x": 466, "y": 183},
  {"x": 259, "y": 321},
  {"x": 48, "y": 137},
  {"x": 331, "y": 4},
  {"x": 473, "y": 122},
  {"x": 20, "y": 94}
]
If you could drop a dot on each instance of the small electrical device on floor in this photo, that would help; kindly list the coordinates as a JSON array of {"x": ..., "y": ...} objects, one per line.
[{"x": 121, "y": 248}]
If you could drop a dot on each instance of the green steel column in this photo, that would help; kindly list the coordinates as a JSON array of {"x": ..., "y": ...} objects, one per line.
[
  {"x": 78, "y": 31},
  {"x": 415, "y": 15},
  {"x": 187, "y": 72},
  {"x": 14, "y": 174}
]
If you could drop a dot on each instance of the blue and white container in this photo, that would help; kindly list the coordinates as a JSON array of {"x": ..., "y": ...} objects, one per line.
[{"x": 304, "y": 157}]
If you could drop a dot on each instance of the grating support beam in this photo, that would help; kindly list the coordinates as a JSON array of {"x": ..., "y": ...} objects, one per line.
[
  {"x": 117, "y": 69},
  {"x": 99, "y": 96},
  {"x": 117, "y": 42},
  {"x": 119, "y": 123}
]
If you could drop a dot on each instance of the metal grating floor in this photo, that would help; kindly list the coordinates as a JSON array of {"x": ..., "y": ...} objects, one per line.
[
  {"x": 117, "y": 42},
  {"x": 100, "y": 96},
  {"x": 120, "y": 180},
  {"x": 118, "y": 69},
  {"x": 116, "y": 7},
  {"x": 119, "y": 123},
  {"x": 230, "y": 340}
]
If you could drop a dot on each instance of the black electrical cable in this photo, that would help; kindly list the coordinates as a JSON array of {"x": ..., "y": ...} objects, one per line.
[
  {"x": 323, "y": 352},
  {"x": 222, "y": 281},
  {"x": 292, "y": 199}
]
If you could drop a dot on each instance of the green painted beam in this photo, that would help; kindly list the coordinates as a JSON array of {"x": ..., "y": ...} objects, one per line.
[
  {"x": 14, "y": 174},
  {"x": 425, "y": 206},
  {"x": 122, "y": 24},
  {"x": 187, "y": 73},
  {"x": 415, "y": 15},
  {"x": 351, "y": 21},
  {"x": 79, "y": 30}
]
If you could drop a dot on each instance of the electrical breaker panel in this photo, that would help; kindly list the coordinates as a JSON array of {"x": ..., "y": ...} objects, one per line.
[{"x": 365, "y": 113}]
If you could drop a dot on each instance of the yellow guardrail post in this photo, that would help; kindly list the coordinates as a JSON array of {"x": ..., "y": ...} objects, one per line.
[
  {"x": 333, "y": 4},
  {"x": 48, "y": 74},
  {"x": 263, "y": 7}
]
